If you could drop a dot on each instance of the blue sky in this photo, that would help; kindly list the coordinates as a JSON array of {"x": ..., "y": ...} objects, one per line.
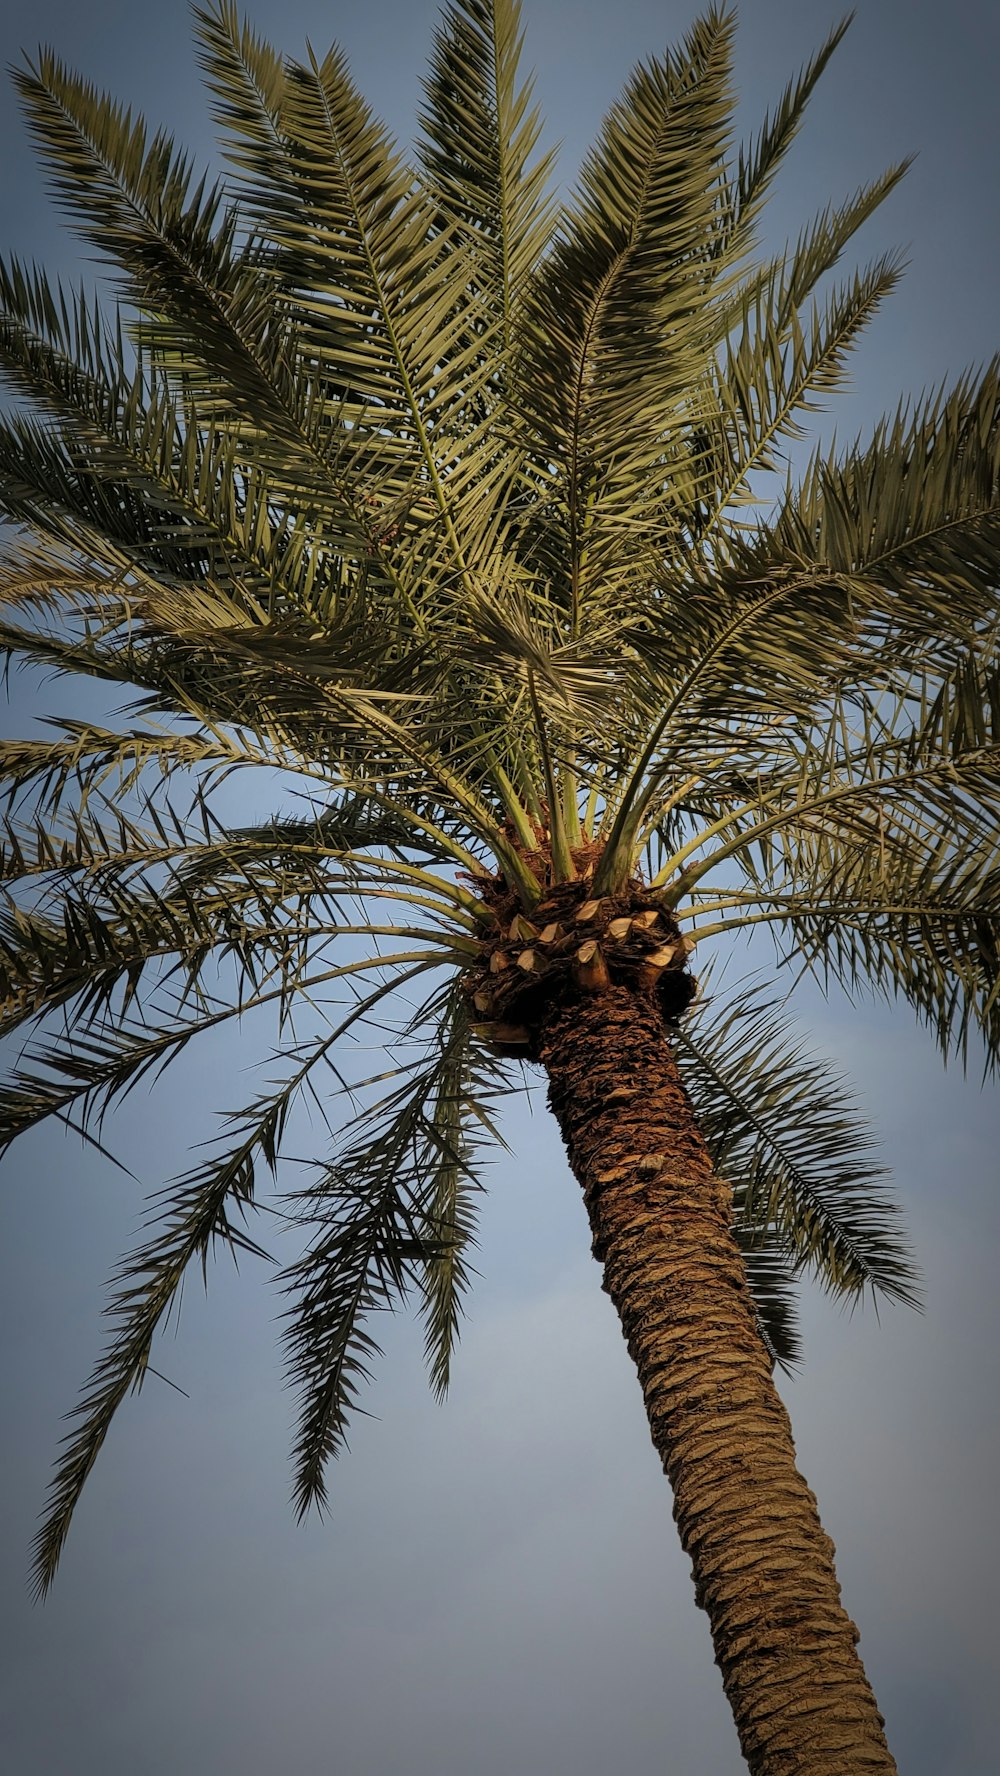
[{"x": 498, "y": 1587}]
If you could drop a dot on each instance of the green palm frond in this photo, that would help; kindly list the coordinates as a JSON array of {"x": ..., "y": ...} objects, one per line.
[
  {"x": 132, "y": 197},
  {"x": 772, "y": 375},
  {"x": 771, "y": 1273},
  {"x": 111, "y": 1049},
  {"x": 193, "y": 1219},
  {"x": 459, "y": 1122},
  {"x": 170, "y": 233},
  {"x": 191, "y": 491},
  {"x": 89, "y": 762},
  {"x": 480, "y": 136},
  {"x": 873, "y": 855},
  {"x": 912, "y": 518},
  {"x": 368, "y": 286},
  {"x": 782, "y": 1127},
  {"x": 617, "y": 336},
  {"x": 759, "y": 161},
  {"x": 263, "y": 897},
  {"x": 394, "y": 1211},
  {"x": 187, "y": 1223},
  {"x": 247, "y": 80}
]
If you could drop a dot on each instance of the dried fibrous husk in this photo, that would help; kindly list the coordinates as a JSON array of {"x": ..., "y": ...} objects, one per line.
[
  {"x": 505, "y": 1037},
  {"x": 520, "y": 927},
  {"x": 592, "y": 969},
  {"x": 663, "y": 957}
]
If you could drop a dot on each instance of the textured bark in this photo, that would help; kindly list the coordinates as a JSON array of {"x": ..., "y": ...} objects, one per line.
[{"x": 661, "y": 1222}]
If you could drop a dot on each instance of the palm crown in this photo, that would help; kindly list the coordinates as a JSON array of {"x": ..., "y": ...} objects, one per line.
[{"x": 446, "y": 504}]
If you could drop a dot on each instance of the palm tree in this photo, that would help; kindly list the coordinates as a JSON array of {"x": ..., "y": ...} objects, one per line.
[{"x": 449, "y": 512}]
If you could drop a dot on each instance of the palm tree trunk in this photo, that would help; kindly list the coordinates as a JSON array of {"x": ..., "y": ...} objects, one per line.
[{"x": 763, "y": 1565}]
